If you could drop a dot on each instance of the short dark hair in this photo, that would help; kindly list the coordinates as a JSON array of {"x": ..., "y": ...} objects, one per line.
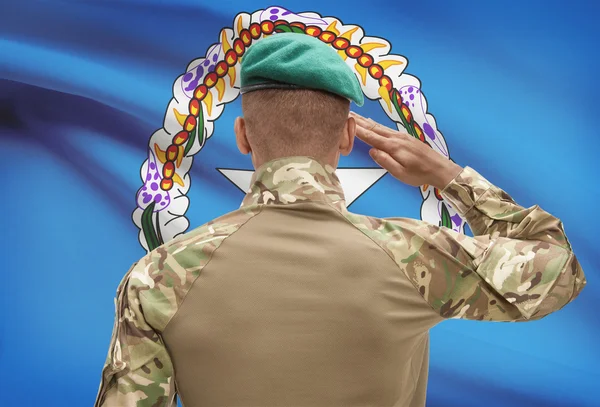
[{"x": 285, "y": 122}]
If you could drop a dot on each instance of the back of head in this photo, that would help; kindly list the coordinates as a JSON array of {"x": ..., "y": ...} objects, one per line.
[
  {"x": 296, "y": 93},
  {"x": 289, "y": 122}
]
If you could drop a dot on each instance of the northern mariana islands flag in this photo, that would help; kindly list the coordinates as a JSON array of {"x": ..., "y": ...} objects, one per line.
[{"x": 116, "y": 134}]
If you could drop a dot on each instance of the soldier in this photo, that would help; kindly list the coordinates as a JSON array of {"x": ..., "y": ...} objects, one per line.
[{"x": 292, "y": 300}]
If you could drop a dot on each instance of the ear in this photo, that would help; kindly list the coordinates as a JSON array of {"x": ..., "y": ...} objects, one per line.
[
  {"x": 239, "y": 127},
  {"x": 347, "y": 140}
]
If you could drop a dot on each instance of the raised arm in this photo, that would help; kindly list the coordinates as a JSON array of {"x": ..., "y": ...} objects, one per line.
[
  {"x": 519, "y": 266},
  {"x": 522, "y": 269},
  {"x": 491, "y": 211}
]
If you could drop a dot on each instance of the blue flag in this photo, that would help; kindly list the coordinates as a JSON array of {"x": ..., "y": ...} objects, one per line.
[{"x": 117, "y": 135}]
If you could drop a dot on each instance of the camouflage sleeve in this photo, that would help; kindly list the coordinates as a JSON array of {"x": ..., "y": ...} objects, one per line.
[
  {"x": 519, "y": 266},
  {"x": 491, "y": 211},
  {"x": 138, "y": 370}
]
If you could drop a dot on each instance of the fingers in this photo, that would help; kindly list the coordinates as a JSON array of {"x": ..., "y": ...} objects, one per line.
[
  {"x": 380, "y": 129},
  {"x": 362, "y": 121},
  {"x": 369, "y": 132},
  {"x": 375, "y": 140},
  {"x": 368, "y": 124},
  {"x": 387, "y": 162}
]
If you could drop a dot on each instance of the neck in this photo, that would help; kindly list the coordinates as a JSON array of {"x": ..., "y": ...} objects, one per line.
[
  {"x": 331, "y": 159},
  {"x": 294, "y": 178}
]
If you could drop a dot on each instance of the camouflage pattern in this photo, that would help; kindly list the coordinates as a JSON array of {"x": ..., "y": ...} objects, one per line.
[
  {"x": 138, "y": 370},
  {"x": 518, "y": 267},
  {"x": 294, "y": 179}
]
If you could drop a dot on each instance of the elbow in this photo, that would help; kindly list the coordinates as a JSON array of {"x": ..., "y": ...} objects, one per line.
[
  {"x": 576, "y": 277},
  {"x": 567, "y": 286}
]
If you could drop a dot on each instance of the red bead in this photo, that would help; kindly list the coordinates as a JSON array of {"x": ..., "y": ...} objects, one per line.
[
  {"x": 181, "y": 138},
  {"x": 386, "y": 81},
  {"x": 313, "y": 30},
  {"x": 341, "y": 43},
  {"x": 365, "y": 60},
  {"x": 354, "y": 51},
  {"x": 190, "y": 123},
  {"x": 231, "y": 57},
  {"x": 327, "y": 37},
  {"x": 239, "y": 47},
  {"x": 376, "y": 71},
  {"x": 171, "y": 152},
  {"x": 194, "y": 107},
  {"x": 168, "y": 169},
  {"x": 221, "y": 69},
  {"x": 246, "y": 37},
  {"x": 200, "y": 92},
  {"x": 166, "y": 184},
  {"x": 267, "y": 27},
  {"x": 210, "y": 80},
  {"x": 254, "y": 30}
]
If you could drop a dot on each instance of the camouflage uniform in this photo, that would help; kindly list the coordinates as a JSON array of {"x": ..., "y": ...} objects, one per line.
[{"x": 294, "y": 300}]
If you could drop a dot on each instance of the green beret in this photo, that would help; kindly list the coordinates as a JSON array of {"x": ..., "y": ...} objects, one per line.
[{"x": 297, "y": 61}]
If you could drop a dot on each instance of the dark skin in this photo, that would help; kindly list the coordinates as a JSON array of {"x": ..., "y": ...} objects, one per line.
[{"x": 403, "y": 156}]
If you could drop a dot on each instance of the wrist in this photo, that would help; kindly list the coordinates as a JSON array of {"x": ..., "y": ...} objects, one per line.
[{"x": 446, "y": 175}]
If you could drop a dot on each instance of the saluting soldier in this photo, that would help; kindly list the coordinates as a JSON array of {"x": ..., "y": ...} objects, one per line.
[{"x": 293, "y": 300}]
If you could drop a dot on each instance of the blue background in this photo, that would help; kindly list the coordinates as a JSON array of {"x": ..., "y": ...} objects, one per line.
[{"x": 83, "y": 85}]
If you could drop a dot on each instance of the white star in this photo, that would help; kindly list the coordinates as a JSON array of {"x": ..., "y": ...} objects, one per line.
[{"x": 355, "y": 181}]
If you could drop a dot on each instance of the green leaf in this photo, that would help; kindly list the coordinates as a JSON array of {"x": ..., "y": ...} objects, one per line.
[
  {"x": 198, "y": 130},
  {"x": 190, "y": 141},
  {"x": 446, "y": 221},
  {"x": 407, "y": 126},
  {"x": 283, "y": 29},
  {"x": 297, "y": 30},
  {"x": 158, "y": 232},
  {"x": 148, "y": 227}
]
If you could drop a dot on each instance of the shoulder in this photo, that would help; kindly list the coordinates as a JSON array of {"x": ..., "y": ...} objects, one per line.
[
  {"x": 387, "y": 232},
  {"x": 162, "y": 278},
  {"x": 399, "y": 236},
  {"x": 392, "y": 235},
  {"x": 407, "y": 243},
  {"x": 416, "y": 245},
  {"x": 210, "y": 234}
]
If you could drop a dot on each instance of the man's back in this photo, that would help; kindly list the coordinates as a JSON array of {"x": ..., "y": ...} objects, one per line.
[
  {"x": 298, "y": 307},
  {"x": 293, "y": 300}
]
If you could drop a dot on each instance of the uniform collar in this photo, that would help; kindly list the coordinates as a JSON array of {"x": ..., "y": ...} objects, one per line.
[{"x": 292, "y": 179}]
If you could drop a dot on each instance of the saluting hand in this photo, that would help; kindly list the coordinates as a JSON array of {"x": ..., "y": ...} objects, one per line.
[{"x": 406, "y": 158}]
